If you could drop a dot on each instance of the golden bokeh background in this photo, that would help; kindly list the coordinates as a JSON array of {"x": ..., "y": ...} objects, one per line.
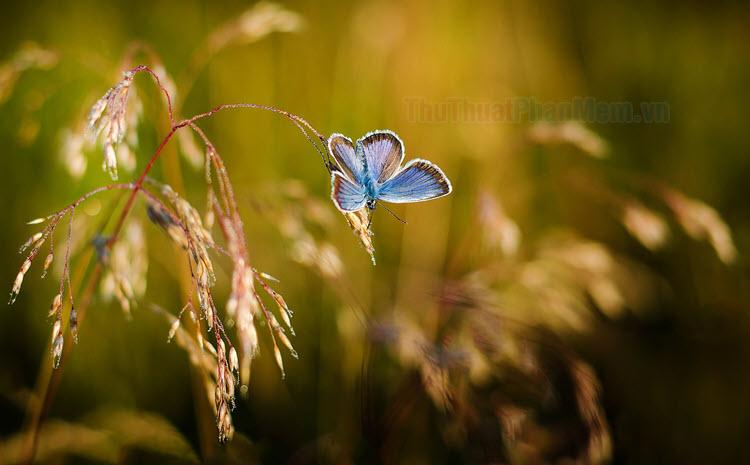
[{"x": 664, "y": 330}]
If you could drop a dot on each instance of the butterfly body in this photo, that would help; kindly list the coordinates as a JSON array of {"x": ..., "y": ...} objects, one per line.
[
  {"x": 370, "y": 171},
  {"x": 371, "y": 192}
]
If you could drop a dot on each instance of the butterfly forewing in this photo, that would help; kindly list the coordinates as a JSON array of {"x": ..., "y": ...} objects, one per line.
[
  {"x": 382, "y": 152},
  {"x": 342, "y": 150},
  {"x": 419, "y": 180},
  {"x": 347, "y": 195}
]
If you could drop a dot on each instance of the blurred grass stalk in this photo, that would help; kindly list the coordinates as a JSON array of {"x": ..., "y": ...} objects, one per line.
[{"x": 508, "y": 303}]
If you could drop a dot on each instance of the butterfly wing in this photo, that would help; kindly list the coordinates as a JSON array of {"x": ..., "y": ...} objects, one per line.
[
  {"x": 418, "y": 181},
  {"x": 382, "y": 152},
  {"x": 342, "y": 150},
  {"x": 347, "y": 195}
]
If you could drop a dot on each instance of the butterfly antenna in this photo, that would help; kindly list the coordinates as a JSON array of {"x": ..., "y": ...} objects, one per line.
[{"x": 394, "y": 215}]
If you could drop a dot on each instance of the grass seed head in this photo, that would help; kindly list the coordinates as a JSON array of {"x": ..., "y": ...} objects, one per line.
[
  {"x": 108, "y": 118},
  {"x": 702, "y": 222},
  {"x": 57, "y": 342},
  {"x": 648, "y": 227},
  {"x": 73, "y": 322},
  {"x": 33, "y": 240},
  {"x": 56, "y": 306},
  {"x": 19, "y": 280},
  {"x": 47, "y": 262}
]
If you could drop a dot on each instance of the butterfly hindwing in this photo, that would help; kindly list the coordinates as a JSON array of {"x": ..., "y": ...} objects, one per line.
[
  {"x": 342, "y": 150},
  {"x": 347, "y": 195},
  {"x": 382, "y": 152},
  {"x": 418, "y": 181}
]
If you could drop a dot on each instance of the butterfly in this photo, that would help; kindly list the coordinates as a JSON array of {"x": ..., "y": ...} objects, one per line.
[{"x": 370, "y": 170}]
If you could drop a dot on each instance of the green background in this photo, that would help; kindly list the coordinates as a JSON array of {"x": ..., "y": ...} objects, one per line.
[{"x": 675, "y": 379}]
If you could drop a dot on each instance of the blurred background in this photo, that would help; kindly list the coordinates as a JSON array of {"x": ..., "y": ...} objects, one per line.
[{"x": 579, "y": 298}]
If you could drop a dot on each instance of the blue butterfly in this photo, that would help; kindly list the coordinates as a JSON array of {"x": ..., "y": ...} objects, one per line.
[{"x": 370, "y": 170}]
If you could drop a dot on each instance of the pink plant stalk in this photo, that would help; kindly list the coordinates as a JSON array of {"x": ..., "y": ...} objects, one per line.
[{"x": 108, "y": 121}]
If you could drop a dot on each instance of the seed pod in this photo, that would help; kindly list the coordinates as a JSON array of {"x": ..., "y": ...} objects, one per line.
[
  {"x": 54, "y": 309},
  {"x": 210, "y": 317},
  {"x": 25, "y": 266},
  {"x": 285, "y": 340},
  {"x": 47, "y": 262},
  {"x": 268, "y": 277},
  {"x": 57, "y": 348},
  {"x": 73, "y": 321},
  {"x": 222, "y": 348},
  {"x": 56, "y": 329},
  {"x": 224, "y": 422},
  {"x": 234, "y": 363},
  {"x": 32, "y": 240},
  {"x": 109, "y": 165},
  {"x": 279, "y": 360},
  {"x": 210, "y": 348},
  {"x": 230, "y": 390},
  {"x": 173, "y": 329},
  {"x": 284, "y": 309},
  {"x": 19, "y": 280},
  {"x": 159, "y": 216},
  {"x": 57, "y": 342}
]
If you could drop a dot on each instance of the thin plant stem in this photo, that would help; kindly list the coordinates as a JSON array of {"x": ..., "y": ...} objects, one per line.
[{"x": 49, "y": 378}]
